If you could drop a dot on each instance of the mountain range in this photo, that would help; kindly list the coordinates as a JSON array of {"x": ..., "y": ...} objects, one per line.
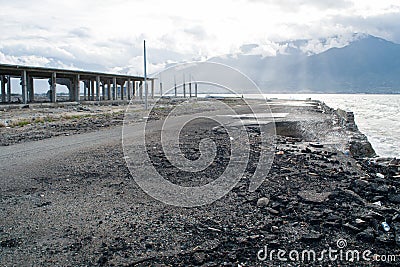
[{"x": 366, "y": 64}]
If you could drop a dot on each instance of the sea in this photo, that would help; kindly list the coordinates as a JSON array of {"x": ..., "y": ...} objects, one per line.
[{"x": 377, "y": 116}]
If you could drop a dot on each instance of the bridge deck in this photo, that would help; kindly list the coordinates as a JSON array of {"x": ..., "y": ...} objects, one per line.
[{"x": 96, "y": 85}]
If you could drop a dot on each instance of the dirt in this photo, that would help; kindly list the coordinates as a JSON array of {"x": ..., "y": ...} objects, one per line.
[{"x": 88, "y": 211}]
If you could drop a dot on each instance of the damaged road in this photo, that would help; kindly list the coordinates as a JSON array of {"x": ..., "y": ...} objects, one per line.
[{"x": 71, "y": 201}]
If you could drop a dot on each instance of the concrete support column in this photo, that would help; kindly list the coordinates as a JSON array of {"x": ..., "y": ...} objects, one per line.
[
  {"x": 195, "y": 90},
  {"x": 134, "y": 92},
  {"x": 141, "y": 83},
  {"x": 24, "y": 87},
  {"x": 31, "y": 90},
  {"x": 85, "y": 90},
  {"x": 115, "y": 92},
  {"x": 3, "y": 88},
  {"x": 190, "y": 89},
  {"x": 129, "y": 88},
  {"x": 98, "y": 88},
  {"x": 77, "y": 88},
  {"x": 122, "y": 90},
  {"x": 72, "y": 89},
  {"x": 89, "y": 89},
  {"x": 54, "y": 87},
  {"x": 9, "y": 89},
  {"x": 103, "y": 90},
  {"x": 160, "y": 89},
  {"x": 92, "y": 87},
  {"x": 109, "y": 90}
]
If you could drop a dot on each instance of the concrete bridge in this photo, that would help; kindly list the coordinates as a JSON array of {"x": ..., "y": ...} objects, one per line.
[{"x": 96, "y": 86}]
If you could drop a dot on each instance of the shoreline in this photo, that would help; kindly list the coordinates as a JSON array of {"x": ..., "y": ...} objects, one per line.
[{"x": 108, "y": 114}]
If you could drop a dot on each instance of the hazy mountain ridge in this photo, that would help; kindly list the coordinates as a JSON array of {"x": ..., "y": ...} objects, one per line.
[{"x": 367, "y": 64}]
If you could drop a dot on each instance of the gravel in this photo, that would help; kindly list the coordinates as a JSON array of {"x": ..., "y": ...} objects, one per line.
[{"x": 88, "y": 211}]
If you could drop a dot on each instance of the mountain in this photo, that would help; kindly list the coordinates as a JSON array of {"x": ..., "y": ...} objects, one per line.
[{"x": 366, "y": 64}]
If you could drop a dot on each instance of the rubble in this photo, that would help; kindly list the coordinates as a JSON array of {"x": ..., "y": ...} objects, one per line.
[{"x": 314, "y": 195}]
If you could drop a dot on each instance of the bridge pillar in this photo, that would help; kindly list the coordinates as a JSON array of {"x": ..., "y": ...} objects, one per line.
[
  {"x": 103, "y": 90},
  {"x": 54, "y": 87},
  {"x": 141, "y": 89},
  {"x": 131, "y": 88},
  {"x": 109, "y": 90},
  {"x": 134, "y": 85},
  {"x": 115, "y": 92},
  {"x": 24, "y": 87},
  {"x": 98, "y": 88},
  {"x": 31, "y": 89},
  {"x": 77, "y": 88},
  {"x": 92, "y": 86},
  {"x": 9, "y": 89},
  {"x": 195, "y": 90},
  {"x": 84, "y": 90},
  {"x": 3, "y": 88},
  {"x": 89, "y": 90},
  {"x": 190, "y": 89},
  {"x": 122, "y": 90}
]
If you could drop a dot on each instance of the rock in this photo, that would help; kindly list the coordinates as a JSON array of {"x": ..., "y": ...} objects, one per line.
[
  {"x": 314, "y": 197},
  {"x": 263, "y": 202},
  {"x": 272, "y": 211},
  {"x": 199, "y": 257},
  {"x": 316, "y": 145},
  {"x": 351, "y": 195},
  {"x": 372, "y": 215},
  {"x": 378, "y": 203},
  {"x": 351, "y": 227},
  {"x": 274, "y": 229},
  {"x": 377, "y": 198},
  {"x": 311, "y": 237},
  {"x": 396, "y": 228},
  {"x": 359, "y": 185},
  {"x": 397, "y": 238},
  {"x": 360, "y": 147},
  {"x": 9, "y": 243},
  {"x": 396, "y": 217},
  {"x": 380, "y": 175},
  {"x": 385, "y": 238},
  {"x": 360, "y": 222},
  {"x": 367, "y": 235},
  {"x": 394, "y": 198},
  {"x": 382, "y": 189}
]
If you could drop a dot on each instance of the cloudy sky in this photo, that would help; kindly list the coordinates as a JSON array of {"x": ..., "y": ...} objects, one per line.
[{"x": 108, "y": 35}]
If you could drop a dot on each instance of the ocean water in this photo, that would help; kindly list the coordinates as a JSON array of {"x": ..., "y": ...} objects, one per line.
[{"x": 377, "y": 116}]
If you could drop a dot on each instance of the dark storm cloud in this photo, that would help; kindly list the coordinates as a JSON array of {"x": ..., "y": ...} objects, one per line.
[{"x": 386, "y": 25}]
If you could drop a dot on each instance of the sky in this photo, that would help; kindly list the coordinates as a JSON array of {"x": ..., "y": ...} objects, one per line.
[{"x": 108, "y": 35}]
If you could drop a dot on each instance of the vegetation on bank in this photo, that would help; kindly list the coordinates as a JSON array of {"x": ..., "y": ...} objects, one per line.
[{"x": 48, "y": 119}]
